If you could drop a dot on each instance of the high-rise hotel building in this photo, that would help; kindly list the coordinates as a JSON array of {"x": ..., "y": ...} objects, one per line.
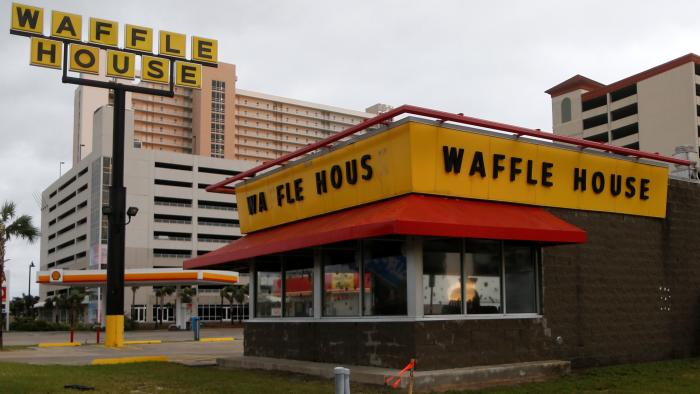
[
  {"x": 217, "y": 120},
  {"x": 657, "y": 110}
]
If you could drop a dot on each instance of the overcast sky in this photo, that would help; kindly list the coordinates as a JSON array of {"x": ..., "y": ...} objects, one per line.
[{"x": 490, "y": 59}]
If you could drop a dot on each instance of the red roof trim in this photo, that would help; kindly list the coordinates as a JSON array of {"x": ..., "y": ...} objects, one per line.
[
  {"x": 691, "y": 57},
  {"x": 574, "y": 83},
  {"x": 406, "y": 215}
]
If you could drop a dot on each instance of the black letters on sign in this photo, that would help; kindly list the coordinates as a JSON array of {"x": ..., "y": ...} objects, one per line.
[
  {"x": 364, "y": 163},
  {"x": 631, "y": 190},
  {"x": 336, "y": 177},
  {"x": 280, "y": 194},
  {"x": 497, "y": 167},
  {"x": 321, "y": 186},
  {"x": 514, "y": 170},
  {"x": 155, "y": 69},
  {"x": 453, "y": 159},
  {"x": 189, "y": 74},
  {"x": 547, "y": 174},
  {"x": 138, "y": 35},
  {"x": 80, "y": 58},
  {"x": 168, "y": 48},
  {"x": 580, "y": 179},
  {"x": 101, "y": 28},
  {"x": 66, "y": 25},
  {"x": 41, "y": 51},
  {"x": 644, "y": 189},
  {"x": 478, "y": 165},
  {"x": 252, "y": 203},
  {"x": 351, "y": 171},
  {"x": 124, "y": 68},
  {"x": 25, "y": 16},
  {"x": 204, "y": 49},
  {"x": 598, "y": 182}
]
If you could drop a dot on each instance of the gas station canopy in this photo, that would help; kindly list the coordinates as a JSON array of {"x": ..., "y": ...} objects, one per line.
[{"x": 138, "y": 277}]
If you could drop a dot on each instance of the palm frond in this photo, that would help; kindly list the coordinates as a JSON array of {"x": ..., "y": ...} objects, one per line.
[
  {"x": 7, "y": 211},
  {"x": 22, "y": 227}
]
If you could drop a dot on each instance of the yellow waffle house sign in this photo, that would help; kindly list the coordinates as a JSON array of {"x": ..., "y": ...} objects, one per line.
[
  {"x": 66, "y": 31},
  {"x": 415, "y": 157}
]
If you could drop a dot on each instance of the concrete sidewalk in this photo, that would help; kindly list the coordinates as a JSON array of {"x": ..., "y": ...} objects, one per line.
[
  {"x": 445, "y": 379},
  {"x": 19, "y": 338}
]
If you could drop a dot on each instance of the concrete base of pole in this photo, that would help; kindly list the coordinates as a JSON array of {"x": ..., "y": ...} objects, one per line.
[{"x": 114, "y": 331}]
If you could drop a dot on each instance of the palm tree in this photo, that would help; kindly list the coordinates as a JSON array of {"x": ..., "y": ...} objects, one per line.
[
  {"x": 234, "y": 293},
  {"x": 225, "y": 292},
  {"x": 74, "y": 300},
  {"x": 48, "y": 308},
  {"x": 133, "y": 301},
  {"x": 11, "y": 227},
  {"x": 161, "y": 293}
]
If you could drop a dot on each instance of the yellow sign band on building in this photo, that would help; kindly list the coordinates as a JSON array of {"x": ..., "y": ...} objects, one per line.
[{"x": 414, "y": 157}]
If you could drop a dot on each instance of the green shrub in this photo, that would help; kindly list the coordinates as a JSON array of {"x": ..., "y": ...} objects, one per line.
[{"x": 29, "y": 324}]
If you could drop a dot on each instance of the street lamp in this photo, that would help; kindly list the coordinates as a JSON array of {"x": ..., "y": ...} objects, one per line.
[
  {"x": 60, "y": 168},
  {"x": 29, "y": 282}
]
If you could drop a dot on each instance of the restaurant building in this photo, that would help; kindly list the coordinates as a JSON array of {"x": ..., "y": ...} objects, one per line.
[{"x": 461, "y": 242}]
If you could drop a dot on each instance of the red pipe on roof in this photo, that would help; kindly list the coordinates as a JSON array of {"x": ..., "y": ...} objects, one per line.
[{"x": 220, "y": 187}]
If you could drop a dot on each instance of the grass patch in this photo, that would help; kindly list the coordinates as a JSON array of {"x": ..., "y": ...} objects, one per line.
[
  {"x": 159, "y": 378},
  {"x": 678, "y": 376},
  {"x": 675, "y": 376}
]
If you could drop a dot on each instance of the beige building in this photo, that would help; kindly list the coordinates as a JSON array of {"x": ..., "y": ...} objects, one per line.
[
  {"x": 217, "y": 121},
  {"x": 269, "y": 126},
  {"x": 177, "y": 219},
  {"x": 656, "y": 110}
]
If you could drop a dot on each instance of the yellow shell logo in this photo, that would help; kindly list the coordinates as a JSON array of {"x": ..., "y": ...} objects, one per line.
[{"x": 55, "y": 275}]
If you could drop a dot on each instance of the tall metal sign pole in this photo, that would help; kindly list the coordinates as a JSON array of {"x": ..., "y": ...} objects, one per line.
[{"x": 65, "y": 49}]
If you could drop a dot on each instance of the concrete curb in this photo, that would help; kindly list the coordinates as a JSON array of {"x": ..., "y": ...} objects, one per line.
[
  {"x": 438, "y": 380},
  {"x": 144, "y": 342},
  {"x": 128, "y": 360},
  {"x": 226, "y": 339},
  {"x": 58, "y": 344}
]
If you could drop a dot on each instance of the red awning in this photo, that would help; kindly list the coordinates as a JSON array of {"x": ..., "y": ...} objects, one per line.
[{"x": 412, "y": 214}]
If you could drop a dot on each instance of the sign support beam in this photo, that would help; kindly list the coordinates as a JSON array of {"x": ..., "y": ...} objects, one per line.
[{"x": 114, "y": 330}]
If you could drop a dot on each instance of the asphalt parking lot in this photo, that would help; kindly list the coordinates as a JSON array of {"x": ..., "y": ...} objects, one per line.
[{"x": 177, "y": 346}]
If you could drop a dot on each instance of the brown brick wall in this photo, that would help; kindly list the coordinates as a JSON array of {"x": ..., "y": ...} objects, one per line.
[{"x": 602, "y": 298}]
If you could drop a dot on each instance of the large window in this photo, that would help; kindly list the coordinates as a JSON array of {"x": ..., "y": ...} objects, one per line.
[
  {"x": 166, "y": 313},
  {"x": 268, "y": 287},
  {"x": 521, "y": 279},
  {"x": 384, "y": 268},
  {"x": 341, "y": 280},
  {"x": 494, "y": 277},
  {"x": 138, "y": 313},
  {"x": 299, "y": 285},
  {"x": 482, "y": 274},
  {"x": 442, "y": 277}
]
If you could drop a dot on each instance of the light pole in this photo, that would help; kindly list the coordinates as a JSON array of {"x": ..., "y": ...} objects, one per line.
[
  {"x": 29, "y": 282},
  {"x": 60, "y": 168}
]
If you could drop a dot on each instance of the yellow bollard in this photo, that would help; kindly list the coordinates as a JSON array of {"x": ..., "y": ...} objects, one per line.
[{"x": 114, "y": 331}]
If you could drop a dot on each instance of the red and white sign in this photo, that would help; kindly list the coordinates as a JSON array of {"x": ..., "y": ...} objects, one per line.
[{"x": 4, "y": 294}]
